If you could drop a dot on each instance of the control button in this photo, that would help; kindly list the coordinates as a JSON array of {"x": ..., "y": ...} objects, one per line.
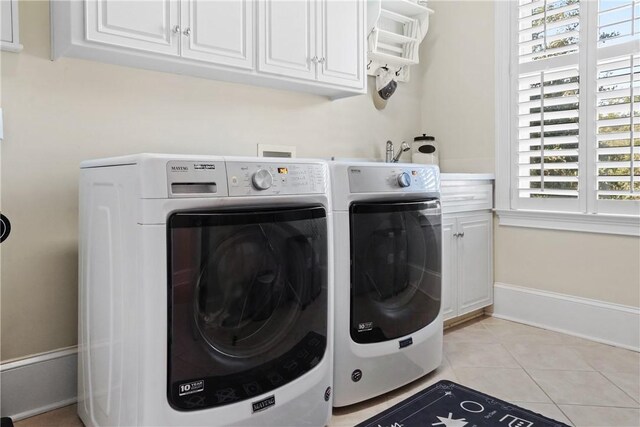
[
  {"x": 262, "y": 179},
  {"x": 234, "y": 181},
  {"x": 404, "y": 180}
]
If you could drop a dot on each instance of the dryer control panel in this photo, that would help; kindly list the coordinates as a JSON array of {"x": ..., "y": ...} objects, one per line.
[
  {"x": 269, "y": 178},
  {"x": 396, "y": 178}
]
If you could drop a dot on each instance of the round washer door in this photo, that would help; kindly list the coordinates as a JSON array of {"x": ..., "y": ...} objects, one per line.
[
  {"x": 395, "y": 269},
  {"x": 248, "y": 306}
]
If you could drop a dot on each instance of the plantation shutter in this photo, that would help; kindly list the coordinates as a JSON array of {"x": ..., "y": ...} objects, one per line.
[
  {"x": 617, "y": 166},
  {"x": 548, "y": 128}
]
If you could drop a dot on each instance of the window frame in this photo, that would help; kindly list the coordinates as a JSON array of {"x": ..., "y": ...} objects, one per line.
[{"x": 591, "y": 215}]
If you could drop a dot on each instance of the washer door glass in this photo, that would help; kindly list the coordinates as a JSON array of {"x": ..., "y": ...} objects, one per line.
[
  {"x": 248, "y": 302},
  {"x": 395, "y": 269}
]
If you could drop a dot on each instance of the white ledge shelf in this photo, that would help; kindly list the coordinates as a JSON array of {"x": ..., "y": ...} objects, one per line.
[
  {"x": 626, "y": 225},
  {"x": 406, "y": 7}
]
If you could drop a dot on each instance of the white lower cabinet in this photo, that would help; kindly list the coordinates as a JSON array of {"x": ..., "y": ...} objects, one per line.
[
  {"x": 467, "y": 276},
  {"x": 467, "y": 246},
  {"x": 449, "y": 268}
]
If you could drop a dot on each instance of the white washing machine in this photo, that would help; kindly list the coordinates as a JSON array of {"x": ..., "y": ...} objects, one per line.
[
  {"x": 205, "y": 292},
  {"x": 388, "y": 265}
]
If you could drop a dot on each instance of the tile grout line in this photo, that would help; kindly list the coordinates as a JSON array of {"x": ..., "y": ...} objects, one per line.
[
  {"x": 575, "y": 348},
  {"x": 551, "y": 399},
  {"x": 601, "y": 406},
  {"x": 521, "y": 367},
  {"x": 618, "y": 387}
]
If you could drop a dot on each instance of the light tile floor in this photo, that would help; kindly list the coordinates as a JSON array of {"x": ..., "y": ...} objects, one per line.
[{"x": 572, "y": 380}]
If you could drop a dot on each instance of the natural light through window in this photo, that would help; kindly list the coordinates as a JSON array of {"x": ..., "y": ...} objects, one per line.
[{"x": 576, "y": 92}]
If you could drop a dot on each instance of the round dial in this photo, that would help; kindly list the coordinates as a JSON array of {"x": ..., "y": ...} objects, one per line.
[
  {"x": 404, "y": 180},
  {"x": 262, "y": 179}
]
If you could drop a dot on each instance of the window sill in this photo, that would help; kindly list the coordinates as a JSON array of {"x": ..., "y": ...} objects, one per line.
[{"x": 626, "y": 225}]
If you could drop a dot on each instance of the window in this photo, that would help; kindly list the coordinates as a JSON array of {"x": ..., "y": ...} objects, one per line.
[{"x": 572, "y": 107}]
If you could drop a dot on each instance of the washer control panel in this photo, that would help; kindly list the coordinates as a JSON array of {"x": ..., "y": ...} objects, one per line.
[
  {"x": 268, "y": 178},
  {"x": 397, "y": 178}
]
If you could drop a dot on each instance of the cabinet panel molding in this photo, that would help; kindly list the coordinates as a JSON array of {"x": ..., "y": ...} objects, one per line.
[
  {"x": 341, "y": 44},
  {"x": 9, "y": 26},
  {"x": 142, "y": 24},
  {"x": 218, "y": 31},
  {"x": 449, "y": 269},
  {"x": 287, "y": 37},
  {"x": 476, "y": 262}
]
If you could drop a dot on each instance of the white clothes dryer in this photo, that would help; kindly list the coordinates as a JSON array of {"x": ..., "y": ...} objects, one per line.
[
  {"x": 388, "y": 270},
  {"x": 205, "y": 292}
]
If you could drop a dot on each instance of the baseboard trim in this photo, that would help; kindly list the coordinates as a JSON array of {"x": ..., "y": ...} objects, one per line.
[
  {"x": 600, "y": 321},
  {"x": 38, "y": 384}
]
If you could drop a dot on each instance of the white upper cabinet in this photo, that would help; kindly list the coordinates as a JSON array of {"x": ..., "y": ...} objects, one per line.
[
  {"x": 6, "y": 21},
  {"x": 218, "y": 31},
  {"x": 341, "y": 42},
  {"x": 288, "y": 37},
  {"x": 149, "y": 25},
  {"x": 321, "y": 40},
  {"x": 9, "y": 32},
  {"x": 314, "y": 46}
]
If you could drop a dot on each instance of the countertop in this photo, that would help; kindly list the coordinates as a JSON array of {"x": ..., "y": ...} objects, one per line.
[{"x": 467, "y": 176}]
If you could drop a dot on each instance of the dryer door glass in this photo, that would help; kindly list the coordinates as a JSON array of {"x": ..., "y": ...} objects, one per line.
[
  {"x": 395, "y": 268},
  {"x": 247, "y": 302}
]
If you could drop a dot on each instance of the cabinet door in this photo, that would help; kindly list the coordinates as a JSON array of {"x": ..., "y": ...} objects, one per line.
[
  {"x": 218, "y": 31},
  {"x": 341, "y": 42},
  {"x": 141, "y": 24},
  {"x": 6, "y": 24},
  {"x": 449, "y": 268},
  {"x": 287, "y": 37},
  {"x": 475, "y": 278}
]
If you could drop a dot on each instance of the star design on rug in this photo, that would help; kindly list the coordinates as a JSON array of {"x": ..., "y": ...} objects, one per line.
[{"x": 450, "y": 422}]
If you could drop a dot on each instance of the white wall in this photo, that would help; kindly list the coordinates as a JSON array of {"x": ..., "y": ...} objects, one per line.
[
  {"x": 596, "y": 266},
  {"x": 457, "y": 72},
  {"x": 59, "y": 113}
]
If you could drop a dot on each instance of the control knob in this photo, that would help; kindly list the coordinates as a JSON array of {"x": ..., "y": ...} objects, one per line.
[
  {"x": 262, "y": 179},
  {"x": 404, "y": 180}
]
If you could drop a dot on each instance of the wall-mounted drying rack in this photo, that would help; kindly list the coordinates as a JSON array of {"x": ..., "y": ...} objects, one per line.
[{"x": 396, "y": 29}]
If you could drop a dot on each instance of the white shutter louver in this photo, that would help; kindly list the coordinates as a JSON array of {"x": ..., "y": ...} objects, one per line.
[
  {"x": 618, "y": 21},
  {"x": 618, "y": 101},
  {"x": 548, "y": 134},
  {"x": 575, "y": 125},
  {"x": 548, "y": 102},
  {"x": 547, "y": 28}
]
